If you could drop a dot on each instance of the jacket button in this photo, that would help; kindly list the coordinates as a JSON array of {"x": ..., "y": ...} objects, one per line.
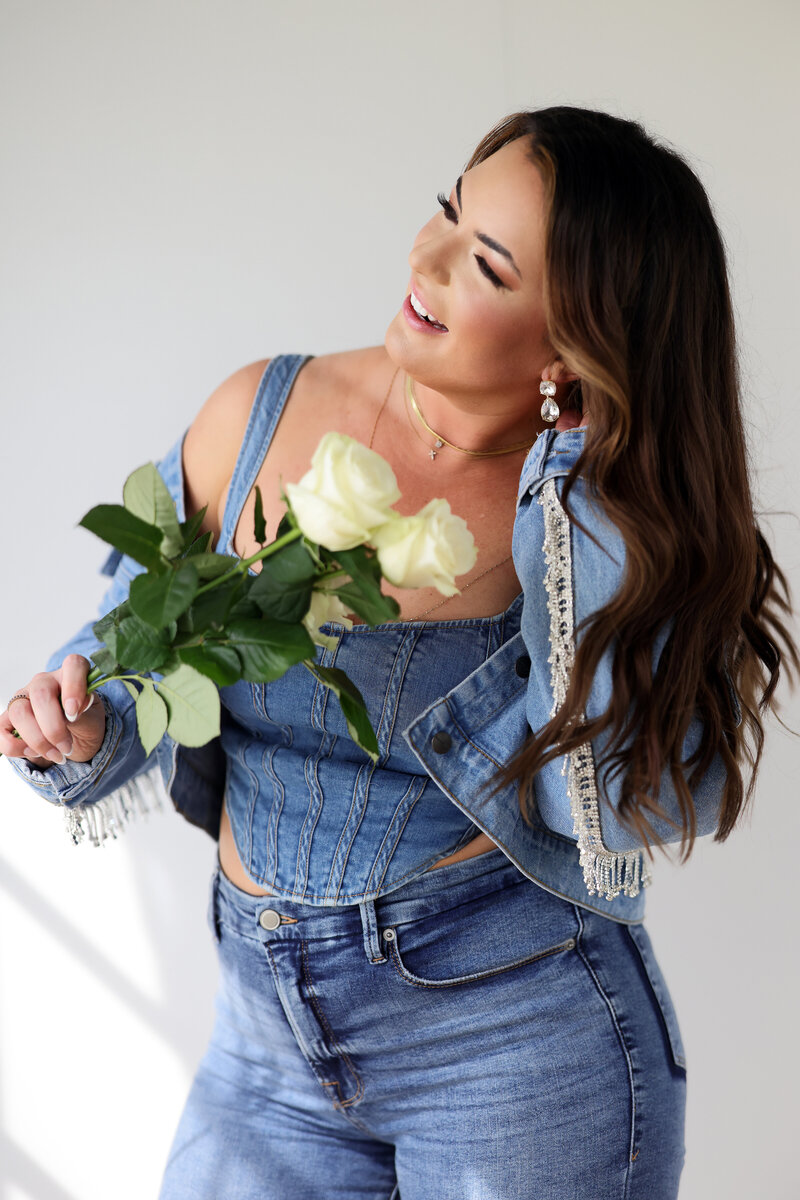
[
  {"x": 441, "y": 742},
  {"x": 523, "y": 666},
  {"x": 269, "y": 919}
]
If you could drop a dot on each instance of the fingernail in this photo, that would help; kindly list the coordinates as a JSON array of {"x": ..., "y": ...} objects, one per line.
[
  {"x": 71, "y": 709},
  {"x": 55, "y": 756},
  {"x": 65, "y": 747}
]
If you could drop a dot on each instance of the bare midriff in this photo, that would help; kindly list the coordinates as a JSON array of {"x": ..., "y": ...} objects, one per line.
[{"x": 232, "y": 866}]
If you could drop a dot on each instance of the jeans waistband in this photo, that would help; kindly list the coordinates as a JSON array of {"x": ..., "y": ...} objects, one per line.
[{"x": 434, "y": 891}]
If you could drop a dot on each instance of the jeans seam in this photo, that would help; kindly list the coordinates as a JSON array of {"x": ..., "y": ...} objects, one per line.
[
  {"x": 306, "y": 1052},
  {"x": 629, "y": 1064},
  {"x": 417, "y": 981},
  {"x": 331, "y": 1037}
]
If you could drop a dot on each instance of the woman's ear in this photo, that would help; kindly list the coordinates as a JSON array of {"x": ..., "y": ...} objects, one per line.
[
  {"x": 558, "y": 373},
  {"x": 569, "y": 418}
]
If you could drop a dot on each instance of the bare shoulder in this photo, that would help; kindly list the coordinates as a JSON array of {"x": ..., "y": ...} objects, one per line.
[
  {"x": 344, "y": 373},
  {"x": 213, "y": 439},
  {"x": 346, "y": 381},
  {"x": 332, "y": 391}
]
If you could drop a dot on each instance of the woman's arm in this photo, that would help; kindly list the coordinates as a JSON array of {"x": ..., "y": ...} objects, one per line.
[
  {"x": 196, "y": 471},
  {"x": 567, "y": 577}
]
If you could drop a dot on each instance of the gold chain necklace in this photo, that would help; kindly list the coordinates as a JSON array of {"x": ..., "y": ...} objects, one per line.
[
  {"x": 488, "y": 570},
  {"x": 442, "y": 441},
  {"x": 382, "y": 407}
]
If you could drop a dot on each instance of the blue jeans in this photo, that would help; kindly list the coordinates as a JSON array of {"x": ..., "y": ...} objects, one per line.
[{"x": 469, "y": 1036}]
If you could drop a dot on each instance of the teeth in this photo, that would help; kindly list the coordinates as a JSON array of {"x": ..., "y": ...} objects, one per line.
[
  {"x": 422, "y": 312},
  {"x": 417, "y": 307}
]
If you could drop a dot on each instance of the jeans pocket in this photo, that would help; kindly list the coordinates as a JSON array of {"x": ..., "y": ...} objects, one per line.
[
  {"x": 641, "y": 940},
  {"x": 211, "y": 912},
  {"x": 478, "y": 939}
]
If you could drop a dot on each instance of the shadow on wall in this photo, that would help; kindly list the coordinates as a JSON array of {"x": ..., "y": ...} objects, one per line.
[{"x": 167, "y": 864}]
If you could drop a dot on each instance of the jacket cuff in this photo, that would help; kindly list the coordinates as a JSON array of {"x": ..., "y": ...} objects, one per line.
[{"x": 66, "y": 782}]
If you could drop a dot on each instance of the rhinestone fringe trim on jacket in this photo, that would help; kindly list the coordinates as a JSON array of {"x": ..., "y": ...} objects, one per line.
[
  {"x": 604, "y": 871},
  {"x": 109, "y": 817}
]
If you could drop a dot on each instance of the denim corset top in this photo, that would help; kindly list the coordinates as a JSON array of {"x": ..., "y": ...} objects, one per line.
[{"x": 314, "y": 820}]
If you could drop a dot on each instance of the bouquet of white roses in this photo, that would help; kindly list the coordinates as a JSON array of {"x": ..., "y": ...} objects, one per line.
[{"x": 195, "y": 620}]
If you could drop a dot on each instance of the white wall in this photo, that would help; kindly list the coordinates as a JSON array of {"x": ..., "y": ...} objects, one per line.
[{"x": 188, "y": 187}]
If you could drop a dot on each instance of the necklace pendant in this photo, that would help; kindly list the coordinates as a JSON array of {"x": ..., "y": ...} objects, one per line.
[
  {"x": 432, "y": 454},
  {"x": 438, "y": 445}
]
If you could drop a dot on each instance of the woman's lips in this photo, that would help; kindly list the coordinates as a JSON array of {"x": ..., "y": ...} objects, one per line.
[{"x": 416, "y": 321}]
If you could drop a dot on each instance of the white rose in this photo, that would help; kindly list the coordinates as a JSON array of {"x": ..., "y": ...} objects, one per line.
[
  {"x": 427, "y": 550},
  {"x": 347, "y": 493},
  {"x": 325, "y": 607}
]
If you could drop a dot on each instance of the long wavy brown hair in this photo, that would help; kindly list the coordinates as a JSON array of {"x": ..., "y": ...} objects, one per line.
[{"x": 638, "y": 305}]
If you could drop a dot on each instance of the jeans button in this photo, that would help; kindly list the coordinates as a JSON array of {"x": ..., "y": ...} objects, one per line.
[
  {"x": 523, "y": 666},
  {"x": 441, "y": 742},
  {"x": 269, "y": 919}
]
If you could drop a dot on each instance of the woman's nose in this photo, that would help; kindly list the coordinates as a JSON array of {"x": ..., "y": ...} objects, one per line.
[{"x": 429, "y": 257}]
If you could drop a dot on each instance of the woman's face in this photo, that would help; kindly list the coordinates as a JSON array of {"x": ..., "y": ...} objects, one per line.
[{"x": 477, "y": 268}]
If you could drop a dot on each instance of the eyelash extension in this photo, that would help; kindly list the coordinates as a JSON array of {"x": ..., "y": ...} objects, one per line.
[
  {"x": 450, "y": 214},
  {"x": 488, "y": 272},
  {"x": 449, "y": 211}
]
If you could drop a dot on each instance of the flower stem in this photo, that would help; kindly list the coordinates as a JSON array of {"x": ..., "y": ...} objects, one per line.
[{"x": 243, "y": 564}]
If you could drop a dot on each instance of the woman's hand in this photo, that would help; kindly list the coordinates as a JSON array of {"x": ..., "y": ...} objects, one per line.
[{"x": 46, "y": 735}]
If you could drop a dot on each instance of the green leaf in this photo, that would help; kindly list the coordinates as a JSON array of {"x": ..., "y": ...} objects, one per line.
[
  {"x": 201, "y": 545},
  {"x": 368, "y": 602},
  {"x": 130, "y": 688},
  {"x": 189, "y": 529},
  {"x": 220, "y": 663},
  {"x": 104, "y": 660},
  {"x": 268, "y": 648},
  {"x": 140, "y": 647},
  {"x": 209, "y": 566},
  {"x": 145, "y": 494},
  {"x": 193, "y": 705},
  {"x": 363, "y": 594},
  {"x": 245, "y": 608},
  {"x": 171, "y": 663},
  {"x": 286, "y": 524},
  {"x": 211, "y": 609},
  {"x": 159, "y": 599},
  {"x": 259, "y": 524},
  {"x": 107, "y": 628},
  {"x": 282, "y": 588},
  {"x": 152, "y": 716},
  {"x": 361, "y": 564},
  {"x": 121, "y": 529},
  {"x": 353, "y": 707}
]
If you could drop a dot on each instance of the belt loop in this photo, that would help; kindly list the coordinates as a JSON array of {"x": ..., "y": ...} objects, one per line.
[{"x": 369, "y": 923}]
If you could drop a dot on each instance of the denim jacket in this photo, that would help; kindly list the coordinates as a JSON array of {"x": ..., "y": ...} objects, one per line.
[{"x": 313, "y": 819}]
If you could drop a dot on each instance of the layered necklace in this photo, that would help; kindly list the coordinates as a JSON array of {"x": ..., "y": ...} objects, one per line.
[{"x": 440, "y": 441}]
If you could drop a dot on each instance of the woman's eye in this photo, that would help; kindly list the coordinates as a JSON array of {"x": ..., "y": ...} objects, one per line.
[
  {"x": 451, "y": 215},
  {"x": 449, "y": 211},
  {"x": 488, "y": 272}
]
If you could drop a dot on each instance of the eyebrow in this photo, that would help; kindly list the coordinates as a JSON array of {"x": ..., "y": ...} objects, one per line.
[{"x": 484, "y": 237}]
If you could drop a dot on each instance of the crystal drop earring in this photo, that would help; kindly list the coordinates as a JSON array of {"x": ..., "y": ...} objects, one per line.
[{"x": 550, "y": 410}]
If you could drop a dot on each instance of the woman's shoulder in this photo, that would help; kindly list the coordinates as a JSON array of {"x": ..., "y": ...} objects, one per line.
[
  {"x": 345, "y": 372},
  {"x": 213, "y": 440}
]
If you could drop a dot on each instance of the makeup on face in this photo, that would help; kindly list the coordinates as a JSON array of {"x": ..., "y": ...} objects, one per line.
[{"x": 418, "y": 316}]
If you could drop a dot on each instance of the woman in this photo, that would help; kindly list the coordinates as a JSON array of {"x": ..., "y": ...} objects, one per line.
[{"x": 435, "y": 980}]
